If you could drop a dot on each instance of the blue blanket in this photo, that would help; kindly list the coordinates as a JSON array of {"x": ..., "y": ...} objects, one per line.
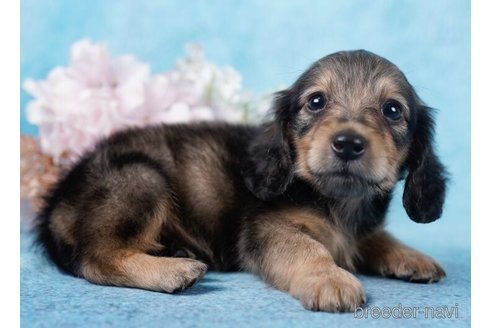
[{"x": 52, "y": 299}]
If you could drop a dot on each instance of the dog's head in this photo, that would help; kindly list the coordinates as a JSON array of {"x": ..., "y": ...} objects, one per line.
[{"x": 351, "y": 126}]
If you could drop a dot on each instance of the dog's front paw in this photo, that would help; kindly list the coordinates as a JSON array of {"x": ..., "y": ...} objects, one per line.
[
  {"x": 333, "y": 290},
  {"x": 413, "y": 266}
]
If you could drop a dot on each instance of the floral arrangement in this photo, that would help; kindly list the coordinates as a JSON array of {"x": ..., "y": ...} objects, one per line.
[{"x": 97, "y": 94}]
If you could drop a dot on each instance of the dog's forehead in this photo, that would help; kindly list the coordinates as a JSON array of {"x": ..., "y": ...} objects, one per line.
[{"x": 355, "y": 76}]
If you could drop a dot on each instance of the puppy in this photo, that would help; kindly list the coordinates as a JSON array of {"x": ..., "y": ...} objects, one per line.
[{"x": 300, "y": 200}]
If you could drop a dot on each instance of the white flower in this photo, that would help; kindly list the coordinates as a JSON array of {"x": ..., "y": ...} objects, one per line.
[{"x": 97, "y": 94}]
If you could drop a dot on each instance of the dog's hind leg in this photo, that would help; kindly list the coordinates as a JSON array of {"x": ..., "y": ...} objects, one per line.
[
  {"x": 120, "y": 253},
  {"x": 140, "y": 270},
  {"x": 111, "y": 217}
]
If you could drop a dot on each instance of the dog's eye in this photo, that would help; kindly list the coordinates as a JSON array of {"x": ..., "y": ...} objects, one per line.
[
  {"x": 317, "y": 102},
  {"x": 392, "y": 110}
]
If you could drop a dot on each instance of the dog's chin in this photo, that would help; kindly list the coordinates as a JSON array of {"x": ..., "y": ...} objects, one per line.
[{"x": 344, "y": 186}]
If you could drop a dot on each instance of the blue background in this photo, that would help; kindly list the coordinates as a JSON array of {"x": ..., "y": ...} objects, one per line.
[{"x": 270, "y": 43}]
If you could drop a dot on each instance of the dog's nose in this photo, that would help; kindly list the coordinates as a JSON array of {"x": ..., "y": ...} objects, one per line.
[{"x": 348, "y": 145}]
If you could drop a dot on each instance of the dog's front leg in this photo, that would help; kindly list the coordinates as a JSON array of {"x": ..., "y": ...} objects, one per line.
[
  {"x": 281, "y": 249},
  {"x": 382, "y": 254}
]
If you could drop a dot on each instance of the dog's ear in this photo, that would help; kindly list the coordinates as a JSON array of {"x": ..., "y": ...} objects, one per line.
[
  {"x": 268, "y": 169},
  {"x": 425, "y": 185}
]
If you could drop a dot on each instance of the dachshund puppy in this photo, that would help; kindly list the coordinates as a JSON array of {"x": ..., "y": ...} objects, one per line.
[{"x": 300, "y": 200}]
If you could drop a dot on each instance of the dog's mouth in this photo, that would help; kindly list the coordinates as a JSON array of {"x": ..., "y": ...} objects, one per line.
[{"x": 346, "y": 184}]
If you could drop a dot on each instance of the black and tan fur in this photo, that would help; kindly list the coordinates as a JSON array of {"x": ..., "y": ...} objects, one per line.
[{"x": 152, "y": 208}]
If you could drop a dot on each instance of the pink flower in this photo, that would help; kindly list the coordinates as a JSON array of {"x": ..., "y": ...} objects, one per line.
[
  {"x": 96, "y": 95},
  {"x": 91, "y": 98}
]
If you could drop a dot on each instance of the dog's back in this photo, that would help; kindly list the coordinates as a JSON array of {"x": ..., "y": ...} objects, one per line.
[{"x": 165, "y": 190}]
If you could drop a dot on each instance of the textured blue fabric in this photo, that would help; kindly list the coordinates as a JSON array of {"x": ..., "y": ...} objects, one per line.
[
  {"x": 52, "y": 299},
  {"x": 270, "y": 43}
]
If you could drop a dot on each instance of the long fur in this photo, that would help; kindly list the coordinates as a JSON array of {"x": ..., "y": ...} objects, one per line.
[{"x": 154, "y": 207}]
